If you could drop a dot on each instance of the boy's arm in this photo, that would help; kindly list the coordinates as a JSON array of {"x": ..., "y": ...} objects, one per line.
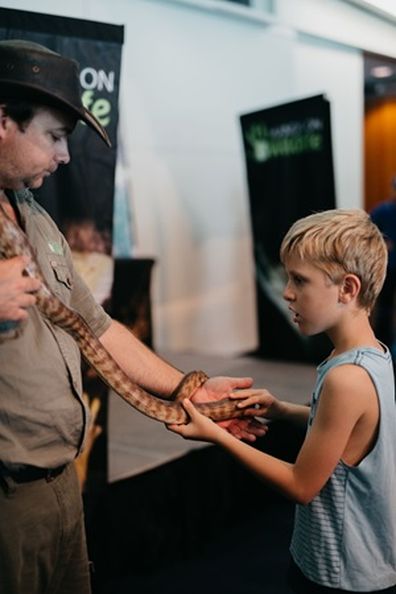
[
  {"x": 345, "y": 397},
  {"x": 261, "y": 403},
  {"x": 295, "y": 413}
]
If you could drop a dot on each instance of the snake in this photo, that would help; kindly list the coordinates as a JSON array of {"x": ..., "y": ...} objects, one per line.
[{"x": 14, "y": 242}]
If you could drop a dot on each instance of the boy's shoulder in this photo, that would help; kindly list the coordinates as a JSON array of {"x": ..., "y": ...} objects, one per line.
[
  {"x": 347, "y": 375},
  {"x": 347, "y": 394}
]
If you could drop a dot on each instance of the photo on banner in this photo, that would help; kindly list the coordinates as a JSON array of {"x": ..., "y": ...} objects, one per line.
[{"x": 289, "y": 168}]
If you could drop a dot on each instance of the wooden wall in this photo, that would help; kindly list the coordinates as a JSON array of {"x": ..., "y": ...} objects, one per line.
[{"x": 380, "y": 150}]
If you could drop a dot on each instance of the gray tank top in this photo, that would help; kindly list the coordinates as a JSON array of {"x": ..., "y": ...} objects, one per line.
[{"x": 346, "y": 537}]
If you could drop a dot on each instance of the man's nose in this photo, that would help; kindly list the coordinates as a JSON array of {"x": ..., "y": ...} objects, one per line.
[{"x": 63, "y": 155}]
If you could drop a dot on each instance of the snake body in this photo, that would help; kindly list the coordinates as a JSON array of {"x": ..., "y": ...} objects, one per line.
[{"x": 14, "y": 242}]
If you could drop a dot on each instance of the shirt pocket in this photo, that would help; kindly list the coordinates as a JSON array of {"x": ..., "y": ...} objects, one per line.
[{"x": 61, "y": 281}]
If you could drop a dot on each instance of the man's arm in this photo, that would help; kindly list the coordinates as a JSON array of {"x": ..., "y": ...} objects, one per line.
[
  {"x": 346, "y": 395},
  {"x": 16, "y": 289},
  {"x": 154, "y": 374},
  {"x": 141, "y": 364},
  {"x": 159, "y": 377}
]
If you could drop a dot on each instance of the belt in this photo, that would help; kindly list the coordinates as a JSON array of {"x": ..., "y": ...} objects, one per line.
[{"x": 26, "y": 474}]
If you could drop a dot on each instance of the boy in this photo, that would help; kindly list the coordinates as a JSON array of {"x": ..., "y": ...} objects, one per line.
[{"x": 344, "y": 477}]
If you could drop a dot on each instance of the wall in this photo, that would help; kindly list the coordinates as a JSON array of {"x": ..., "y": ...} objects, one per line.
[
  {"x": 187, "y": 74},
  {"x": 380, "y": 150},
  {"x": 322, "y": 66}
]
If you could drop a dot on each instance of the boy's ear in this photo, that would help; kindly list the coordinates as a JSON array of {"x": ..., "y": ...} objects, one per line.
[{"x": 349, "y": 288}]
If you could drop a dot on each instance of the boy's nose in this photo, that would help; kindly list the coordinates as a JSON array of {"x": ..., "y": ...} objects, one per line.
[{"x": 287, "y": 293}]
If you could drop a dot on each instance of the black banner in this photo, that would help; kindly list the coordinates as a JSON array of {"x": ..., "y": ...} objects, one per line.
[
  {"x": 290, "y": 175},
  {"x": 84, "y": 189}
]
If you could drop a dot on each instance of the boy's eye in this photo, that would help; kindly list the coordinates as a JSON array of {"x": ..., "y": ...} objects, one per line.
[{"x": 298, "y": 280}]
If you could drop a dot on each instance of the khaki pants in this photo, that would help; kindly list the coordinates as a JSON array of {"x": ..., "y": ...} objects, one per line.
[{"x": 42, "y": 537}]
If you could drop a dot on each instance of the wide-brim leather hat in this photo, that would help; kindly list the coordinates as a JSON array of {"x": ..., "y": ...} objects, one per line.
[{"x": 30, "y": 69}]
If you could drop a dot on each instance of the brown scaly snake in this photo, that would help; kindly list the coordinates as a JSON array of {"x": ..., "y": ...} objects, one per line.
[{"x": 14, "y": 242}]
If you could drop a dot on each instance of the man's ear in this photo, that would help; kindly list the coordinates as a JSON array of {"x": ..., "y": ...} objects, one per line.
[
  {"x": 7, "y": 124},
  {"x": 349, "y": 288},
  {"x": 3, "y": 120}
]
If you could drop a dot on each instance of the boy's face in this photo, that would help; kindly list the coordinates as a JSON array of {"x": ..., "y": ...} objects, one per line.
[
  {"x": 312, "y": 297},
  {"x": 30, "y": 155}
]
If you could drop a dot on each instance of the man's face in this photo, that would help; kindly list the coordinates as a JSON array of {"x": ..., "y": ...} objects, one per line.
[{"x": 29, "y": 155}]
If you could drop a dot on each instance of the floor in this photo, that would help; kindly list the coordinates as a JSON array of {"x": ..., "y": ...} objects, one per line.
[{"x": 249, "y": 557}]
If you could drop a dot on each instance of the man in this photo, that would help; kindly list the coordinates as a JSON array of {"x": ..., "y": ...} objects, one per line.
[{"x": 43, "y": 419}]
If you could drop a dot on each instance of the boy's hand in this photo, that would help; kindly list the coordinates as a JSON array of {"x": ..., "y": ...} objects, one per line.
[
  {"x": 199, "y": 428},
  {"x": 258, "y": 403}
]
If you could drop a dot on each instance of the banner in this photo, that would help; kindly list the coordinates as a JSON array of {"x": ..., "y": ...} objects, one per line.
[
  {"x": 289, "y": 169},
  {"x": 84, "y": 189},
  {"x": 80, "y": 195}
]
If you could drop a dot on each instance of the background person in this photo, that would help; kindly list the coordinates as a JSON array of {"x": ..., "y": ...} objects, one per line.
[{"x": 384, "y": 216}]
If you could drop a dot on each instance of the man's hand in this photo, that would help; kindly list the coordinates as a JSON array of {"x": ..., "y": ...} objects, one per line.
[
  {"x": 217, "y": 388},
  {"x": 16, "y": 289}
]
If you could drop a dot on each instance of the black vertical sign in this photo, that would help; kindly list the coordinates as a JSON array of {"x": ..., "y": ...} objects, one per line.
[
  {"x": 290, "y": 175},
  {"x": 84, "y": 189}
]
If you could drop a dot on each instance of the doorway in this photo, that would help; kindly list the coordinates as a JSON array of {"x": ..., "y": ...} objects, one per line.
[{"x": 379, "y": 128}]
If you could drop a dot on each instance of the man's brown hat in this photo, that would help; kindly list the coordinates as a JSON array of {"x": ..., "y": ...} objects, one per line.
[{"x": 33, "y": 68}]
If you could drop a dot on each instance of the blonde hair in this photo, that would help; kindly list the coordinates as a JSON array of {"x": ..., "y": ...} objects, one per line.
[{"x": 341, "y": 242}]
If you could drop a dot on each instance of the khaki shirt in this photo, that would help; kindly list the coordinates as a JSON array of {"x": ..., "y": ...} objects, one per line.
[{"x": 43, "y": 420}]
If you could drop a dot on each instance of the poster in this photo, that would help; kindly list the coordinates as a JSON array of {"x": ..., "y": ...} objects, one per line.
[{"x": 289, "y": 169}]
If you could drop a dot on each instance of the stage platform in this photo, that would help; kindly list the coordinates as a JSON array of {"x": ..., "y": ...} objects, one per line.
[{"x": 137, "y": 443}]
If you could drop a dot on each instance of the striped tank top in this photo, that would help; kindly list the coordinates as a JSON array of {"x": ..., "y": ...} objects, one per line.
[{"x": 346, "y": 536}]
